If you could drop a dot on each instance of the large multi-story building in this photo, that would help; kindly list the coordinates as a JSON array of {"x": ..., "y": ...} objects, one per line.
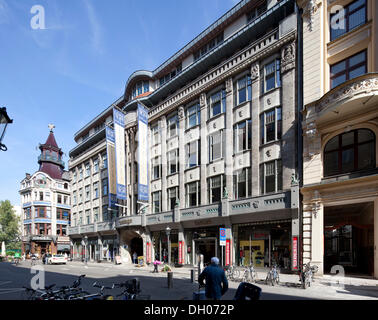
[
  {"x": 223, "y": 149},
  {"x": 45, "y": 199},
  {"x": 340, "y": 125}
]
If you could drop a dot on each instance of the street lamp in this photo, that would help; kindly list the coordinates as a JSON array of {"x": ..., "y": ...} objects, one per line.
[
  {"x": 168, "y": 232},
  {"x": 4, "y": 121}
]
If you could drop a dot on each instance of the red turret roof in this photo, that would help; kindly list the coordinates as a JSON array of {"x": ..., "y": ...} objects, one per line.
[{"x": 51, "y": 140}]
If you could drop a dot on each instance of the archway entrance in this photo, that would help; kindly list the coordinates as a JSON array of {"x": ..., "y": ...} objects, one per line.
[{"x": 136, "y": 245}]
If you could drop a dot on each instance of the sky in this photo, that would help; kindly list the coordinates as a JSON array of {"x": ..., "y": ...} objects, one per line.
[{"x": 77, "y": 65}]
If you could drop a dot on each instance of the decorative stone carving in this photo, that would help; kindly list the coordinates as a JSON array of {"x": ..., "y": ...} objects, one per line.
[
  {"x": 309, "y": 10},
  {"x": 202, "y": 99},
  {"x": 365, "y": 85},
  {"x": 255, "y": 204},
  {"x": 240, "y": 113},
  {"x": 269, "y": 101},
  {"x": 311, "y": 131},
  {"x": 294, "y": 179},
  {"x": 288, "y": 57},
  {"x": 315, "y": 208},
  {"x": 214, "y": 125},
  {"x": 181, "y": 113},
  {"x": 255, "y": 71},
  {"x": 268, "y": 153},
  {"x": 228, "y": 85}
]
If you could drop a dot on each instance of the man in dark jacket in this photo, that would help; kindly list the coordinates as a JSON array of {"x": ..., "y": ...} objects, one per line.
[{"x": 215, "y": 279}]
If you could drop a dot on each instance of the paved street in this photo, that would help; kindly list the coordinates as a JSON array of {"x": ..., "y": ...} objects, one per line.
[{"x": 13, "y": 278}]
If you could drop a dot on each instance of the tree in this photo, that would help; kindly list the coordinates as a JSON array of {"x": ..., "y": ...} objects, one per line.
[{"x": 9, "y": 230}]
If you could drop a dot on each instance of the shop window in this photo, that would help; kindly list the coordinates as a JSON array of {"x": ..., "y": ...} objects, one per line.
[
  {"x": 351, "y": 17},
  {"x": 348, "y": 69},
  {"x": 349, "y": 152}
]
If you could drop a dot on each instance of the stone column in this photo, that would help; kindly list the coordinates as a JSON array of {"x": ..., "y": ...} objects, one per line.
[
  {"x": 375, "y": 238},
  {"x": 229, "y": 137},
  {"x": 289, "y": 122},
  {"x": 317, "y": 233},
  {"x": 204, "y": 148},
  {"x": 181, "y": 117},
  {"x": 255, "y": 114},
  {"x": 163, "y": 160}
]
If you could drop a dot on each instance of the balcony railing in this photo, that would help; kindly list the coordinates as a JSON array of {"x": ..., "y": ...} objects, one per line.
[{"x": 45, "y": 157}]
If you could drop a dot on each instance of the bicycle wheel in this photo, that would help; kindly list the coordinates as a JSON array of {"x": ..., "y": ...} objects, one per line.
[
  {"x": 236, "y": 274},
  {"x": 245, "y": 276}
]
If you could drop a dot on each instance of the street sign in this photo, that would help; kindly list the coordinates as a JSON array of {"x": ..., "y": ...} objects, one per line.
[{"x": 222, "y": 236}]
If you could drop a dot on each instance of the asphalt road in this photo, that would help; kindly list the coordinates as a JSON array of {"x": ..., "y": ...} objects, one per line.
[{"x": 13, "y": 278}]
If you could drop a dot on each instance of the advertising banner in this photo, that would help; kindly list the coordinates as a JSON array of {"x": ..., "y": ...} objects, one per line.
[
  {"x": 120, "y": 155},
  {"x": 112, "y": 184},
  {"x": 142, "y": 153},
  {"x": 181, "y": 260},
  {"x": 295, "y": 253},
  {"x": 228, "y": 252}
]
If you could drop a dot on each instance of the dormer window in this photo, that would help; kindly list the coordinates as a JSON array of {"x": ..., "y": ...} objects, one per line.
[{"x": 140, "y": 88}]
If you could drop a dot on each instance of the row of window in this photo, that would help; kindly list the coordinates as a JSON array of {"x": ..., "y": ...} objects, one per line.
[
  {"x": 44, "y": 229},
  {"x": 271, "y": 181},
  {"x": 86, "y": 217},
  {"x": 77, "y": 197},
  {"x": 45, "y": 212},
  {"x": 87, "y": 170},
  {"x": 176, "y": 71}
]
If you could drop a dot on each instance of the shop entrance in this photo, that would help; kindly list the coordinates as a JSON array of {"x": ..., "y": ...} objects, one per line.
[
  {"x": 207, "y": 247},
  {"x": 136, "y": 245},
  {"x": 349, "y": 238}
]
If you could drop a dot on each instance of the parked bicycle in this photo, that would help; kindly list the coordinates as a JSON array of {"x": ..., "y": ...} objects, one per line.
[
  {"x": 131, "y": 290},
  {"x": 273, "y": 276},
  {"x": 307, "y": 274},
  {"x": 96, "y": 296},
  {"x": 232, "y": 273},
  {"x": 250, "y": 274}
]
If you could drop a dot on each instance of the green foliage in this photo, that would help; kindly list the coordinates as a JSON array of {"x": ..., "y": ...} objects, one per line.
[{"x": 9, "y": 226}]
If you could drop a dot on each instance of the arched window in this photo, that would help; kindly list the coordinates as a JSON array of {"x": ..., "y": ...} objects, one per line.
[{"x": 348, "y": 152}]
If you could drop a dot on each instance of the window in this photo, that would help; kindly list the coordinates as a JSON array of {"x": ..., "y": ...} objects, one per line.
[
  {"x": 74, "y": 199},
  {"x": 172, "y": 126},
  {"x": 88, "y": 216},
  {"x": 104, "y": 161},
  {"x": 243, "y": 136},
  {"x": 243, "y": 183},
  {"x": 271, "y": 176},
  {"x": 176, "y": 71},
  {"x": 80, "y": 195},
  {"x": 47, "y": 194},
  {"x": 193, "y": 115},
  {"x": 62, "y": 214},
  {"x": 95, "y": 165},
  {"x": 59, "y": 198},
  {"x": 244, "y": 90},
  {"x": 217, "y": 103},
  {"x": 193, "y": 195},
  {"x": 173, "y": 161},
  {"x": 48, "y": 212},
  {"x": 215, "y": 185},
  {"x": 87, "y": 169},
  {"x": 41, "y": 196},
  {"x": 87, "y": 193},
  {"x": 354, "y": 15},
  {"x": 156, "y": 168},
  {"x": 348, "y": 152},
  {"x": 271, "y": 125},
  {"x": 42, "y": 229},
  {"x": 209, "y": 46},
  {"x": 65, "y": 200},
  {"x": 95, "y": 190},
  {"x": 156, "y": 202},
  {"x": 95, "y": 215},
  {"x": 156, "y": 135},
  {"x": 140, "y": 88},
  {"x": 61, "y": 230},
  {"x": 27, "y": 213},
  {"x": 172, "y": 197},
  {"x": 40, "y": 212},
  {"x": 272, "y": 76},
  {"x": 216, "y": 145},
  {"x": 27, "y": 230},
  {"x": 193, "y": 154},
  {"x": 256, "y": 12},
  {"x": 81, "y": 173},
  {"x": 104, "y": 187},
  {"x": 105, "y": 213},
  {"x": 347, "y": 69},
  {"x": 74, "y": 178}
]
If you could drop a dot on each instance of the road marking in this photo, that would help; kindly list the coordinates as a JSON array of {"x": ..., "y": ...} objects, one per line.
[
  {"x": 11, "y": 290},
  {"x": 5, "y": 282}
]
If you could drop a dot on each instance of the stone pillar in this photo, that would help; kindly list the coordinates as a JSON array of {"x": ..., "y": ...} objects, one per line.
[
  {"x": 181, "y": 117},
  {"x": 255, "y": 105},
  {"x": 163, "y": 160},
  {"x": 229, "y": 137},
  {"x": 289, "y": 123},
  {"x": 317, "y": 235},
  {"x": 375, "y": 238},
  {"x": 204, "y": 148}
]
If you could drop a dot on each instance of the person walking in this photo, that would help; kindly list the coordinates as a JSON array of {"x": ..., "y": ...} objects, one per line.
[
  {"x": 216, "y": 284},
  {"x": 135, "y": 257}
]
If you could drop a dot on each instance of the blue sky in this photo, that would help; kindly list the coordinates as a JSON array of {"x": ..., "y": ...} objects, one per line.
[{"x": 69, "y": 72}]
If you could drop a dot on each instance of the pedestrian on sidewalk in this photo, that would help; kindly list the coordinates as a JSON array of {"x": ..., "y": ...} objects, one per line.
[
  {"x": 135, "y": 258},
  {"x": 156, "y": 264},
  {"x": 216, "y": 284}
]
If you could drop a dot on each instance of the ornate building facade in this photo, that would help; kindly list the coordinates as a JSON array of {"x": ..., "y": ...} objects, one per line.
[
  {"x": 223, "y": 148},
  {"x": 340, "y": 126},
  {"x": 45, "y": 203}
]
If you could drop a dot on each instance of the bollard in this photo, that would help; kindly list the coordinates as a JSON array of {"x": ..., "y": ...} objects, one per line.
[
  {"x": 170, "y": 280},
  {"x": 192, "y": 273}
]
